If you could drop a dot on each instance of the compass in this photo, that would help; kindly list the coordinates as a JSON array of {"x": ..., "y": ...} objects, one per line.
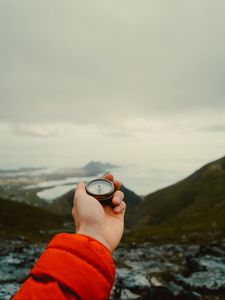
[{"x": 101, "y": 189}]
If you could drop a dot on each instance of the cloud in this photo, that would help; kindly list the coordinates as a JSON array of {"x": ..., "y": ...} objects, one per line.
[
  {"x": 94, "y": 79},
  {"x": 35, "y": 131},
  {"x": 213, "y": 129},
  {"x": 100, "y": 62}
]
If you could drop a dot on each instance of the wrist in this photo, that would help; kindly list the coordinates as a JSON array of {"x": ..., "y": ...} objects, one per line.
[{"x": 96, "y": 236}]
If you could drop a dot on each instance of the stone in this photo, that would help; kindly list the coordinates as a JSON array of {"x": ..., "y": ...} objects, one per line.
[
  {"x": 136, "y": 282},
  {"x": 128, "y": 295},
  {"x": 155, "y": 282},
  {"x": 7, "y": 290},
  {"x": 211, "y": 250},
  {"x": 211, "y": 274}
]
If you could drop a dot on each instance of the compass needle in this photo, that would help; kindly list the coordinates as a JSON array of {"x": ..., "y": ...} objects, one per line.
[{"x": 101, "y": 189}]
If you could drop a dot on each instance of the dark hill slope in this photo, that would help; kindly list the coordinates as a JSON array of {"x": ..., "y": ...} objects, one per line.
[
  {"x": 196, "y": 203},
  {"x": 20, "y": 219},
  {"x": 132, "y": 201}
]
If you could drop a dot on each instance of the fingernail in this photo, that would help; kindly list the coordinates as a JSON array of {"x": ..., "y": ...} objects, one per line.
[
  {"x": 106, "y": 174},
  {"x": 117, "y": 198}
]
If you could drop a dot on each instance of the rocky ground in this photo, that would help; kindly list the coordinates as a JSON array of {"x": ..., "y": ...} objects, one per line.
[
  {"x": 146, "y": 271},
  {"x": 16, "y": 260}
]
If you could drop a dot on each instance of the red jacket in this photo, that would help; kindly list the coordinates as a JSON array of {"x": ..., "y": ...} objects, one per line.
[{"x": 74, "y": 266}]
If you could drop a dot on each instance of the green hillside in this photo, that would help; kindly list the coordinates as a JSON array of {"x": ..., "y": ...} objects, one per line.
[
  {"x": 192, "y": 206},
  {"x": 20, "y": 219}
]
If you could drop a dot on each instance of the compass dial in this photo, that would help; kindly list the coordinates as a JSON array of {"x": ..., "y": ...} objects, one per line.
[{"x": 101, "y": 189}]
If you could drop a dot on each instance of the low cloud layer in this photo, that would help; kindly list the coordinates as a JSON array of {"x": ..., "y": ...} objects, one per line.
[
  {"x": 92, "y": 61},
  {"x": 123, "y": 70}
]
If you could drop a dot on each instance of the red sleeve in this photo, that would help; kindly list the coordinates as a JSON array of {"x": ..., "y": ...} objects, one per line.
[{"x": 74, "y": 266}]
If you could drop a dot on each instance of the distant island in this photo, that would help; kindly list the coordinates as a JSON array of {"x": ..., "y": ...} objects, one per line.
[{"x": 94, "y": 168}]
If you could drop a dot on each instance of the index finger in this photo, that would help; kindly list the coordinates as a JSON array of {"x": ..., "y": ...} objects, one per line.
[{"x": 110, "y": 177}]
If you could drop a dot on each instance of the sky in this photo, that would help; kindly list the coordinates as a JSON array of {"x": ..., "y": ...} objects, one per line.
[{"x": 128, "y": 82}]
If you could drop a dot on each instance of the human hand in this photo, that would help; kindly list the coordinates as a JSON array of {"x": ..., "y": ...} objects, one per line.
[{"x": 102, "y": 222}]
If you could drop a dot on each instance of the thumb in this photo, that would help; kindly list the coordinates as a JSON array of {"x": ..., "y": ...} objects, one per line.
[
  {"x": 79, "y": 192},
  {"x": 81, "y": 187},
  {"x": 82, "y": 200}
]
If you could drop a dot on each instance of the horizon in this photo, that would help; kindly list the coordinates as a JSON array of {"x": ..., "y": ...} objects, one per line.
[
  {"x": 27, "y": 165},
  {"x": 200, "y": 162},
  {"x": 143, "y": 180}
]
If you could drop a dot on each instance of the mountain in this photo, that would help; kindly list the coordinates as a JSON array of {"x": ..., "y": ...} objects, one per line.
[
  {"x": 34, "y": 223},
  {"x": 94, "y": 168},
  {"x": 195, "y": 204}
]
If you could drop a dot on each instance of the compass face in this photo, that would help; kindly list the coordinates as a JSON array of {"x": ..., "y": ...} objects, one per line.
[{"x": 100, "y": 187}]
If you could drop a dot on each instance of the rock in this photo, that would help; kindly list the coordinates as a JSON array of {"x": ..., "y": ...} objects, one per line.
[
  {"x": 192, "y": 250},
  {"x": 155, "y": 282},
  {"x": 7, "y": 290},
  {"x": 211, "y": 250},
  {"x": 12, "y": 260},
  {"x": 210, "y": 277},
  {"x": 151, "y": 266},
  {"x": 128, "y": 295},
  {"x": 179, "y": 267},
  {"x": 135, "y": 282},
  {"x": 174, "y": 288},
  {"x": 192, "y": 265},
  {"x": 16, "y": 260}
]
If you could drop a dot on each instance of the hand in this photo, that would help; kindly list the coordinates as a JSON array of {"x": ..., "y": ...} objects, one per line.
[{"x": 102, "y": 222}]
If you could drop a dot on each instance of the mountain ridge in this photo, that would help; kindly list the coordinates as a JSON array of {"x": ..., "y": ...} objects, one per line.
[{"x": 194, "y": 204}]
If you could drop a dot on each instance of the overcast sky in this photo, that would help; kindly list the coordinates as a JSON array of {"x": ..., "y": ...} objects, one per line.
[{"x": 120, "y": 81}]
